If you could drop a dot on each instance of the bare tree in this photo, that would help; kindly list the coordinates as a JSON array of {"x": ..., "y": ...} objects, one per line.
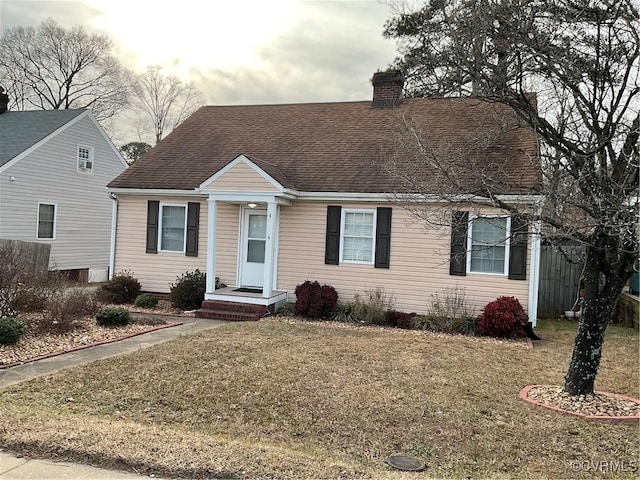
[
  {"x": 165, "y": 99},
  {"x": 582, "y": 57},
  {"x": 52, "y": 68}
]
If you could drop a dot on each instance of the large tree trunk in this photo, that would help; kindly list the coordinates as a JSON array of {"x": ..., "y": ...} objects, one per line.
[{"x": 603, "y": 283}]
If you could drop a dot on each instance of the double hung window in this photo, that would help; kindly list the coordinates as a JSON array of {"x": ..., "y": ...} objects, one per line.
[
  {"x": 173, "y": 223},
  {"x": 488, "y": 246},
  {"x": 46, "y": 221},
  {"x": 358, "y": 236}
]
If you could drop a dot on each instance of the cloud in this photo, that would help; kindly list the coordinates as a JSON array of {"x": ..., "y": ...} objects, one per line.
[
  {"x": 329, "y": 54},
  {"x": 28, "y": 13}
]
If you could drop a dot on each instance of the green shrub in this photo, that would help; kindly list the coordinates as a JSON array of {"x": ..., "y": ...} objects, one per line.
[
  {"x": 285, "y": 309},
  {"x": 11, "y": 330},
  {"x": 188, "y": 290},
  {"x": 122, "y": 288},
  {"x": 146, "y": 300},
  {"x": 345, "y": 312},
  {"x": 467, "y": 326},
  {"x": 425, "y": 322},
  {"x": 112, "y": 316}
]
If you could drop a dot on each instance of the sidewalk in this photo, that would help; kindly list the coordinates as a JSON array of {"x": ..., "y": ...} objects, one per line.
[
  {"x": 28, "y": 371},
  {"x": 16, "y": 468}
]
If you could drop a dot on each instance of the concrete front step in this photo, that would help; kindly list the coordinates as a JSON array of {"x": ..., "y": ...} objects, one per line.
[{"x": 230, "y": 311}]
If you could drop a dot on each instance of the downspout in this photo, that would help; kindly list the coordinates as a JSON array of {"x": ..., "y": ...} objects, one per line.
[
  {"x": 534, "y": 280},
  {"x": 114, "y": 220}
]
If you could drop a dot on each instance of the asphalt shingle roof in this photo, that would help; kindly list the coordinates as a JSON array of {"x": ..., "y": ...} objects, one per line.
[
  {"x": 326, "y": 147},
  {"x": 20, "y": 130}
]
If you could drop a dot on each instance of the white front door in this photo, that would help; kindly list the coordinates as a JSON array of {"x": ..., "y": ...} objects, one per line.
[{"x": 253, "y": 248}]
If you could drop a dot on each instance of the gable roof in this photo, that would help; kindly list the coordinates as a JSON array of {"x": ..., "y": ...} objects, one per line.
[
  {"x": 20, "y": 130},
  {"x": 323, "y": 147}
]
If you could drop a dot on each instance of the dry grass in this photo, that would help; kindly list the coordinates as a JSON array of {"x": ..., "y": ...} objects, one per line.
[{"x": 276, "y": 399}]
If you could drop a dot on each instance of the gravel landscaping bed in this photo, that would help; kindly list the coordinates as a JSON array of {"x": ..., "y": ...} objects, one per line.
[
  {"x": 86, "y": 332},
  {"x": 599, "y": 404}
]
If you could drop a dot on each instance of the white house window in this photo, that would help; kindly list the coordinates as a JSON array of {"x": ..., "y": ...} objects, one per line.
[
  {"x": 85, "y": 159},
  {"x": 358, "y": 234},
  {"x": 173, "y": 228},
  {"x": 46, "y": 221},
  {"x": 488, "y": 246}
]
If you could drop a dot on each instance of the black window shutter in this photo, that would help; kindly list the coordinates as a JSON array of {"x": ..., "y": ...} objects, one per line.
[
  {"x": 458, "y": 258},
  {"x": 518, "y": 248},
  {"x": 193, "y": 223},
  {"x": 383, "y": 237},
  {"x": 332, "y": 246},
  {"x": 153, "y": 208}
]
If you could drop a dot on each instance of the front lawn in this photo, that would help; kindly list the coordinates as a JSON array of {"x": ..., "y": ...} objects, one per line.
[{"x": 283, "y": 399}]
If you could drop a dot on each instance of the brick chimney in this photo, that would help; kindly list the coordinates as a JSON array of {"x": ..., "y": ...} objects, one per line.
[
  {"x": 4, "y": 100},
  {"x": 387, "y": 88}
]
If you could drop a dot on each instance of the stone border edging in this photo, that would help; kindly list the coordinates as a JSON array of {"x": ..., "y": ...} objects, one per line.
[
  {"x": 84, "y": 347},
  {"x": 618, "y": 419}
]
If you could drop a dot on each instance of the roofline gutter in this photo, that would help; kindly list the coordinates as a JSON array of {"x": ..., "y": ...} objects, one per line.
[
  {"x": 413, "y": 198},
  {"x": 340, "y": 196},
  {"x": 156, "y": 192}
]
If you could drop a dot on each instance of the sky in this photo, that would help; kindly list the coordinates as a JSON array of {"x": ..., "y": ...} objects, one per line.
[{"x": 237, "y": 51}]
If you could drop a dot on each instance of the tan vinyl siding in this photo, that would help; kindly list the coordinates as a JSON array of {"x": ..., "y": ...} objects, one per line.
[
  {"x": 419, "y": 262},
  {"x": 241, "y": 177},
  {"x": 49, "y": 175},
  {"x": 227, "y": 231},
  {"x": 157, "y": 271}
]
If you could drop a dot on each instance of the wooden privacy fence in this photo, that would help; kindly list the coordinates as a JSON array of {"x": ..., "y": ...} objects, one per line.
[
  {"x": 36, "y": 255},
  {"x": 560, "y": 270}
]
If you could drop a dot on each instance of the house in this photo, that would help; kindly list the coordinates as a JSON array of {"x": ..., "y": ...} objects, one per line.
[
  {"x": 54, "y": 168},
  {"x": 268, "y": 196}
]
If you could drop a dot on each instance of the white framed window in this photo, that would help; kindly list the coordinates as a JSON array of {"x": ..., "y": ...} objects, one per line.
[
  {"x": 488, "y": 245},
  {"x": 46, "y": 227},
  {"x": 85, "y": 159},
  {"x": 172, "y": 231},
  {"x": 358, "y": 231}
]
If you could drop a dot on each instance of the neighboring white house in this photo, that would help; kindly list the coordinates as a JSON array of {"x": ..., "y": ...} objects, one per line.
[{"x": 54, "y": 168}]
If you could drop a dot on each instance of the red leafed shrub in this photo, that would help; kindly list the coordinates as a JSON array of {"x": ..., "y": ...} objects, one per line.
[
  {"x": 503, "y": 317},
  {"x": 314, "y": 300},
  {"x": 398, "y": 319}
]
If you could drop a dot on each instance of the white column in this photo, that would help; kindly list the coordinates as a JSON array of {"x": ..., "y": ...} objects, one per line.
[
  {"x": 112, "y": 247},
  {"x": 269, "y": 248},
  {"x": 534, "y": 277},
  {"x": 212, "y": 214}
]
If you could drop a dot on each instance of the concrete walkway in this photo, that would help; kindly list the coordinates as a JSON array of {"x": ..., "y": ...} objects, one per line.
[
  {"x": 20, "y": 468},
  {"x": 17, "y": 468}
]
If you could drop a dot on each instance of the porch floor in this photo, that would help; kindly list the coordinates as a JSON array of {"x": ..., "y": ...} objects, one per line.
[{"x": 230, "y": 295}]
